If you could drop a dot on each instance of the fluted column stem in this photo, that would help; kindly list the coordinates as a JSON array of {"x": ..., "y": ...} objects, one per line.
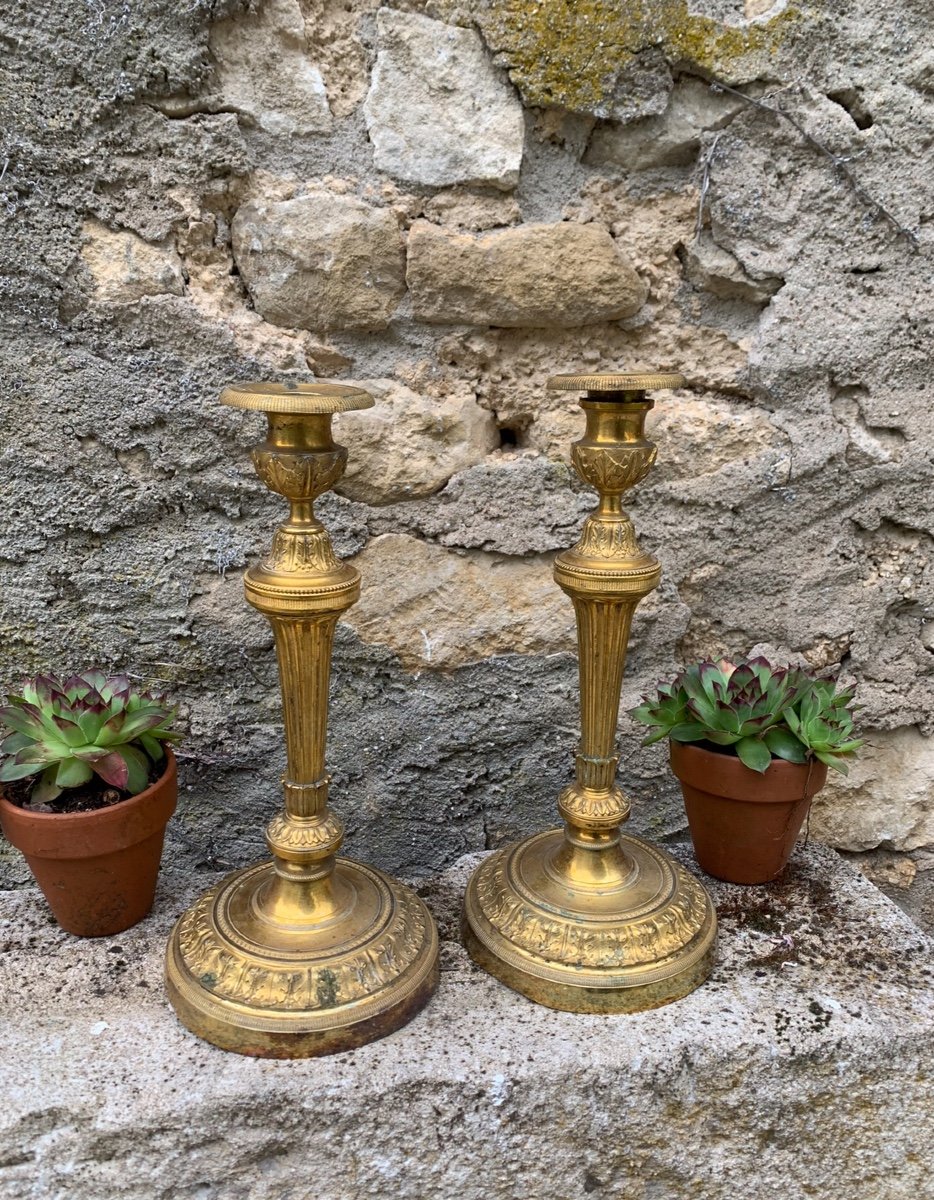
[
  {"x": 605, "y": 574},
  {"x": 302, "y": 588},
  {"x": 303, "y": 649}
]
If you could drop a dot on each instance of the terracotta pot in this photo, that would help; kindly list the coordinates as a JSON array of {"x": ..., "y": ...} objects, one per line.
[
  {"x": 98, "y": 869},
  {"x": 743, "y": 824}
]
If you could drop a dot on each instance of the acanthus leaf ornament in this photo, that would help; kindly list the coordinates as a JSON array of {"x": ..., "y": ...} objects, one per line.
[
  {"x": 301, "y": 551},
  {"x": 613, "y": 469},
  {"x": 286, "y": 834},
  {"x": 301, "y": 984},
  {"x": 300, "y": 476},
  {"x": 607, "y": 539},
  {"x": 547, "y": 933}
]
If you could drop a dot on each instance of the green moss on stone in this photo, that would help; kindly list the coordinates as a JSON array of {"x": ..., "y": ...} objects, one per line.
[{"x": 571, "y": 52}]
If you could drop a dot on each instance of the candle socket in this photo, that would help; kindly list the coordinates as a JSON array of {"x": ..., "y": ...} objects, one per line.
[
  {"x": 585, "y": 918},
  {"x": 309, "y": 953}
]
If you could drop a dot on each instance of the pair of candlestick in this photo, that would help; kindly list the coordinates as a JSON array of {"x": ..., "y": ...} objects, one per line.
[{"x": 310, "y": 953}]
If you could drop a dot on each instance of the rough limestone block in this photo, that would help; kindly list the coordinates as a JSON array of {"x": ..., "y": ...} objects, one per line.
[
  {"x": 438, "y": 112},
  {"x": 886, "y": 798},
  {"x": 320, "y": 261},
  {"x": 439, "y": 608},
  {"x": 713, "y": 269},
  {"x": 788, "y": 221},
  {"x": 704, "y": 436},
  {"x": 410, "y": 445},
  {"x": 264, "y": 73},
  {"x": 670, "y": 139},
  {"x": 125, "y": 268},
  {"x": 538, "y": 275},
  {"x": 512, "y": 503},
  {"x": 800, "y": 1070}
]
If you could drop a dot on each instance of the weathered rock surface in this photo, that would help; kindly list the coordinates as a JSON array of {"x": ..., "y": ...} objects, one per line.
[
  {"x": 437, "y": 608},
  {"x": 438, "y": 112},
  {"x": 908, "y": 880},
  {"x": 711, "y": 268},
  {"x": 791, "y": 500},
  {"x": 124, "y": 268},
  {"x": 801, "y": 223},
  {"x": 886, "y": 798},
  {"x": 700, "y": 437},
  {"x": 529, "y": 504},
  {"x": 410, "y": 444},
  {"x": 820, "y": 1003},
  {"x": 264, "y": 72},
  {"x": 320, "y": 261},
  {"x": 537, "y": 275},
  {"x": 894, "y": 873},
  {"x": 671, "y": 139},
  {"x": 612, "y": 60},
  {"x": 465, "y": 208}
]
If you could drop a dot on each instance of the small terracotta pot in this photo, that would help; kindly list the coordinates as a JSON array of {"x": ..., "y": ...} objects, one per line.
[
  {"x": 97, "y": 870},
  {"x": 744, "y": 824}
]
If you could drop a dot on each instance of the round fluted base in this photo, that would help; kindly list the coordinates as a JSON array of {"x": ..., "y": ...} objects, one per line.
[
  {"x": 283, "y": 987},
  {"x": 638, "y": 942}
]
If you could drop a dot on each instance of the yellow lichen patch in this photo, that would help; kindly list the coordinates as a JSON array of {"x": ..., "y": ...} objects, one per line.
[{"x": 571, "y": 52}]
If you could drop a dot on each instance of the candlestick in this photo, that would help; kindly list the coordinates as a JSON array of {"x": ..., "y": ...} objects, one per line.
[
  {"x": 587, "y": 919},
  {"x": 307, "y": 954}
]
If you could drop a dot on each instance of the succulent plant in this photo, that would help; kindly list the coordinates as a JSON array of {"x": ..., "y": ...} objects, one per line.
[
  {"x": 89, "y": 725},
  {"x": 821, "y": 723},
  {"x": 757, "y": 711}
]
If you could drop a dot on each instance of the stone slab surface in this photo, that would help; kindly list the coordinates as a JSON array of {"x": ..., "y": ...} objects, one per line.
[
  {"x": 801, "y": 1069},
  {"x": 438, "y": 112}
]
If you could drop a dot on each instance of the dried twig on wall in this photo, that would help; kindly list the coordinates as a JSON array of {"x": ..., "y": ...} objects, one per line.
[
  {"x": 705, "y": 185},
  {"x": 839, "y": 162}
]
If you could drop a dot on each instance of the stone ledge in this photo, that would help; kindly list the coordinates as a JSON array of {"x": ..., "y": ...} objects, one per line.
[{"x": 801, "y": 1069}]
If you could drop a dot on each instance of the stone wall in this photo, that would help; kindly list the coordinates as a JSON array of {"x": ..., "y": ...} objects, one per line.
[{"x": 450, "y": 202}]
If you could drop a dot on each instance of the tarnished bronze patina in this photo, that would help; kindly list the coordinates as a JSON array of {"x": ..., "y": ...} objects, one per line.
[
  {"x": 585, "y": 918},
  {"x": 309, "y": 953}
]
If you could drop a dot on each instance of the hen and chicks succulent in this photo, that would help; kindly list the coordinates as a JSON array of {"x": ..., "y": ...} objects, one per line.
[
  {"x": 757, "y": 711},
  {"x": 89, "y": 725}
]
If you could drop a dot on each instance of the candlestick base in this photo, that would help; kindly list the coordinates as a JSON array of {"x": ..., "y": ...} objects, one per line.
[
  {"x": 637, "y": 935},
  {"x": 260, "y": 977}
]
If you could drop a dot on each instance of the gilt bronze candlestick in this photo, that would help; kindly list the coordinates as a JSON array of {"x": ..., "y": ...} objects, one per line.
[
  {"x": 587, "y": 919},
  {"x": 307, "y": 954}
]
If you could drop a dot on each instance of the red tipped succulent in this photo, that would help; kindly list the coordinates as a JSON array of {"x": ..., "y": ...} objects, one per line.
[
  {"x": 755, "y": 710},
  {"x": 91, "y": 724}
]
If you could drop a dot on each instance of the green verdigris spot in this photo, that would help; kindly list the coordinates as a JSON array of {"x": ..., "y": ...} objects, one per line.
[
  {"x": 327, "y": 988},
  {"x": 571, "y": 53}
]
